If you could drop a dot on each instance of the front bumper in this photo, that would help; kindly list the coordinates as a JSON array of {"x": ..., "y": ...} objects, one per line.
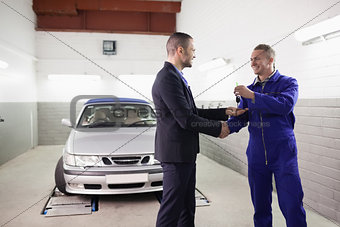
[{"x": 122, "y": 180}]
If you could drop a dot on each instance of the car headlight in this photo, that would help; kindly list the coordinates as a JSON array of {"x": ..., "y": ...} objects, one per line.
[
  {"x": 69, "y": 159},
  {"x": 81, "y": 160}
]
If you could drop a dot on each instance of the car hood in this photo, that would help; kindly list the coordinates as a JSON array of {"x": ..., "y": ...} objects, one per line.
[{"x": 121, "y": 141}]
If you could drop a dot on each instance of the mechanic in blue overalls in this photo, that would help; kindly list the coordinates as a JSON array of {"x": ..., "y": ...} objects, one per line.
[{"x": 270, "y": 100}]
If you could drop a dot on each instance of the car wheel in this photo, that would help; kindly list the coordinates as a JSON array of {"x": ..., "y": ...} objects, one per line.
[{"x": 59, "y": 177}]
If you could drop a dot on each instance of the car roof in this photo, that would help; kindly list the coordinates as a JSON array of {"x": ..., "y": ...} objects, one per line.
[{"x": 112, "y": 100}]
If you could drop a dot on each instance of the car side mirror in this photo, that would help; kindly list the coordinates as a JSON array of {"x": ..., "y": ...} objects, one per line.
[{"x": 66, "y": 122}]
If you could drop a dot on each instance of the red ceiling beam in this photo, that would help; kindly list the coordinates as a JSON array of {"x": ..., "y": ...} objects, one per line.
[
  {"x": 130, "y": 5},
  {"x": 126, "y": 16},
  {"x": 70, "y": 7},
  {"x": 110, "y": 21},
  {"x": 52, "y": 7}
]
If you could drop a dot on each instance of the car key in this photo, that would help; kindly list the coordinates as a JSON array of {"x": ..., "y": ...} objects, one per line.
[{"x": 238, "y": 98}]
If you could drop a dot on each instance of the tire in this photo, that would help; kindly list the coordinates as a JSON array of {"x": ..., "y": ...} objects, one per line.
[{"x": 59, "y": 177}]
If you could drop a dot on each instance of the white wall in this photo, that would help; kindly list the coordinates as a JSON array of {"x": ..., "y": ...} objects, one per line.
[
  {"x": 17, "y": 47},
  {"x": 18, "y": 98},
  {"x": 231, "y": 29},
  {"x": 136, "y": 54}
]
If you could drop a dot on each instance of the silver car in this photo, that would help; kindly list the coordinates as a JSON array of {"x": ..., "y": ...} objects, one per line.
[{"x": 110, "y": 149}]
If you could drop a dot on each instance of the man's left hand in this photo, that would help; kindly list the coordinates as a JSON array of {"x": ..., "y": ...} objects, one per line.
[{"x": 233, "y": 111}]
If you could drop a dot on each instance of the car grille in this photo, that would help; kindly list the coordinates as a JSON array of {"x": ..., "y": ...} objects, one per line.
[{"x": 126, "y": 160}]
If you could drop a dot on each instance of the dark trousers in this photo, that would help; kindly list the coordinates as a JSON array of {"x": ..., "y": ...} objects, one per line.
[
  {"x": 289, "y": 192},
  {"x": 178, "y": 201}
]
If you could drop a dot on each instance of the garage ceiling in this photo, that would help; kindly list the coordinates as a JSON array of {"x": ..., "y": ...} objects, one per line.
[{"x": 119, "y": 16}]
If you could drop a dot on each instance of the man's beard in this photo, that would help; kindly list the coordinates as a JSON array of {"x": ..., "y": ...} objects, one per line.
[{"x": 187, "y": 64}]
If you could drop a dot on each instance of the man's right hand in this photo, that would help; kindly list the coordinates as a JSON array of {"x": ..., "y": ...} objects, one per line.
[{"x": 224, "y": 130}]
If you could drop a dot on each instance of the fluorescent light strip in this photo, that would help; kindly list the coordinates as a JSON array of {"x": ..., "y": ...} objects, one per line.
[
  {"x": 323, "y": 28},
  {"x": 73, "y": 77},
  {"x": 137, "y": 75},
  {"x": 3, "y": 65}
]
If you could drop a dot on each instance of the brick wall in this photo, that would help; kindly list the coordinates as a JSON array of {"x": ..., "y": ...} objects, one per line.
[
  {"x": 50, "y": 129},
  {"x": 318, "y": 136},
  {"x": 317, "y": 131}
]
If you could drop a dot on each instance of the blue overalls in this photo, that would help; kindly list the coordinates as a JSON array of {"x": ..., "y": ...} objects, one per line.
[{"x": 272, "y": 149}]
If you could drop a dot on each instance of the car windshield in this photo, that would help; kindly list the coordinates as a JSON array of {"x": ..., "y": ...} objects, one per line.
[{"x": 117, "y": 115}]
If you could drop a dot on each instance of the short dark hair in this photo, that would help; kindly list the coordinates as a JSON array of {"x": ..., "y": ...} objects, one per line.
[
  {"x": 176, "y": 40},
  {"x": 266, "y": 48}
]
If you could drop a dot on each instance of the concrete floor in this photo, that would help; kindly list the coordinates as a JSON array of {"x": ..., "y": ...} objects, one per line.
[{"x": 26, "y": 182}]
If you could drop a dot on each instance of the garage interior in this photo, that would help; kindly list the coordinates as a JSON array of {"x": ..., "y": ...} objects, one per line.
[{"x": 53, "y": 51}]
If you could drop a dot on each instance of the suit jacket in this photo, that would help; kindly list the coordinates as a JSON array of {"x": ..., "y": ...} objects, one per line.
[{"x": 179, "y": 122}]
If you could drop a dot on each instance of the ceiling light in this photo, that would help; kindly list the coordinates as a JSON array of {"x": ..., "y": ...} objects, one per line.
[
  {"x": 321, "y": 31},
  {"x": 213, "y": 64},
  {"x": 3, "y": 65},
  {"x": 73, "y": 77},
  {"x": 136, "y": 75}
]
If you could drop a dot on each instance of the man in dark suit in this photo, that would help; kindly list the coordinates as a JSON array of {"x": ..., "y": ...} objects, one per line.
[{"x": 179, "y": 123}]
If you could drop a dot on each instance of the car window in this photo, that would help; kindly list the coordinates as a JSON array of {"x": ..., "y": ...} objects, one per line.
[{"x": 117, "y": 115}]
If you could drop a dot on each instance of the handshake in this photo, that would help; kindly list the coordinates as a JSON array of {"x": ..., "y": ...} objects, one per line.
[{"x": 231, "y": 111}]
